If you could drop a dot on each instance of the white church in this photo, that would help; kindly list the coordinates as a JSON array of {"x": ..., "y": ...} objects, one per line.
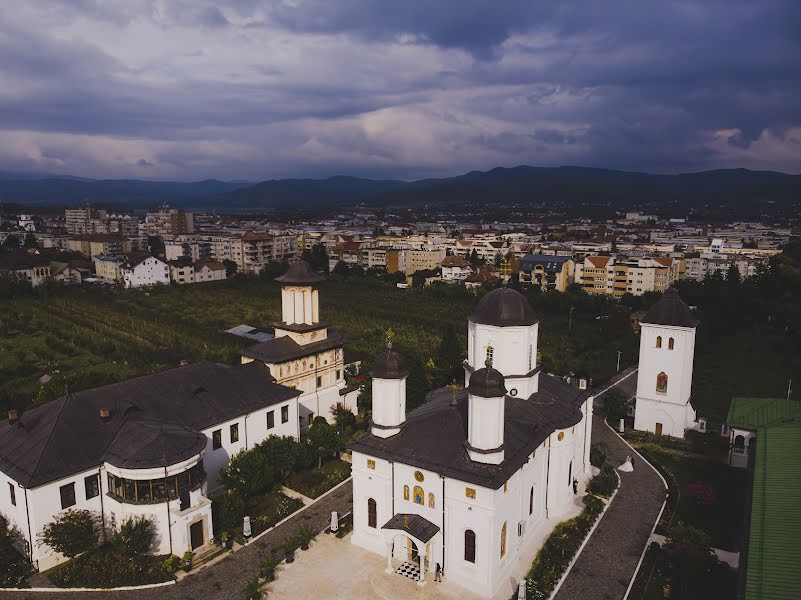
[
  {"x": 665, "y": 377},
  {"x": 464, "y": 480}
]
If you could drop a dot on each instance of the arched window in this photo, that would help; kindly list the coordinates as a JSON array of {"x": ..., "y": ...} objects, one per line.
[
  {"x": 503, "y": 540},
  {"x": 470, "y": 546},
  {"x": 739, "y": 442},
  {"x": 661, "y": 383},
  {"x": 405, "y": 492},
  {"x": 670, "y": 344},
  {"x": 430, "y": 500},
  {"x": 372, "y": 517},
  {"x": 659, "y": 341},
  {"x": 419, "y": 495},
  {"x": 531, "y": 501}
]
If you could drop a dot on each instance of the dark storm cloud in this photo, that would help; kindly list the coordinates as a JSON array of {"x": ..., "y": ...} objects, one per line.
[{"x": 254, "y": 89}]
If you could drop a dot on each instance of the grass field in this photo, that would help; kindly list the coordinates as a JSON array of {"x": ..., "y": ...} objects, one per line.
[{"x": 84, "y": 338}]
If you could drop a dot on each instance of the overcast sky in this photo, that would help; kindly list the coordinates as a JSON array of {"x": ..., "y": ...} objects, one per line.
[{"x": 250, "y": 89}]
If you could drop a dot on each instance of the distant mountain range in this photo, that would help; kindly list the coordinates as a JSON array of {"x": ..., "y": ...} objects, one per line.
[{"x": 570, "y": 186}]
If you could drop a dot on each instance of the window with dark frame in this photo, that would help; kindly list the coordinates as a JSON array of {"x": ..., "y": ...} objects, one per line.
[
  {"x": 271, "y": 419},
  {"x": 216, "y": 439},
  {"x": 319, "y": 381},
  {"x": 91, "y": 486},
  {"x": 470, "y": 546},
  {"x": 67, "y": 495},
  {"x": 284, "y": 414},
  {"x": 234, "y": 433},
  {"x": 13, "y": 493},
  {"x": 372, "y": 516}
]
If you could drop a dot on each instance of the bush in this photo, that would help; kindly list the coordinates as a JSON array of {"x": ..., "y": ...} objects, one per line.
[
  {"x": 227, "y": 511},
  {"x": 605, "y": 482},
  {"x": 269, "y": 566},
  {"x": 104, "y": 567},
  {"x": 597, "y": 456},
  {"x": 248, "y": 473},
  {"x": 135, "y": 536},
  {"x": 14, "y": 568},
  {"x": 72, "y": 533},
  {"x": 252, "y": 590}
]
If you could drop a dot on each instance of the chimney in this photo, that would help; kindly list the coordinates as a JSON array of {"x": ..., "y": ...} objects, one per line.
[
  {"x": 105, "y": 414},
  {"x": 13, "y": 417}
]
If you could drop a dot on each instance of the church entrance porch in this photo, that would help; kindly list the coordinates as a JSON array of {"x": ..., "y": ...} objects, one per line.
[{"x": 413, "y": 539}]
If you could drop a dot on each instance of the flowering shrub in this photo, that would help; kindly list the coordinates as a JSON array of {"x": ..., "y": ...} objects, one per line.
[{"x": 704, "y": 494}]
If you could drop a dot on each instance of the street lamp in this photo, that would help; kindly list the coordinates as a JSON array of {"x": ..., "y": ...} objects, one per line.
[{"x": 570, "y": 320}]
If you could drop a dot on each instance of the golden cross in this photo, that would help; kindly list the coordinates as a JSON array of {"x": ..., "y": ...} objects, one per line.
[
  {"x": 454, "y": 386},
  {"x": 390, "y": 335}
]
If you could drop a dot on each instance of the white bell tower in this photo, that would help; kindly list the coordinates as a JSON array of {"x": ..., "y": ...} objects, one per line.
[
  {"x": 665, "y": 377},
  {"x": 300, "y": 305}
]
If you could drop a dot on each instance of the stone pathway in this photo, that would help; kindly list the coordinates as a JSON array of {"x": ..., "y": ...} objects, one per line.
[
  {"x": 609, "y": 560},
  {"x": 225, "y": 579}
]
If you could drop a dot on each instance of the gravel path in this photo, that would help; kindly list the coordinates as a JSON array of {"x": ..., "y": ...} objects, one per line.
[
  {"x": 609, "y": 559},
  {"x": 225, "y": 579}
]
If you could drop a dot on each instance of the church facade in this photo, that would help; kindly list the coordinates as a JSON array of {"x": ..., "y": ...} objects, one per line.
[
  {"x": 664, "y": 380},
  {"x": 464, "y": 480}
]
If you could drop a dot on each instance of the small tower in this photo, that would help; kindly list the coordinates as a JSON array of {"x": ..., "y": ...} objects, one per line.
[
  {"x": 389, "y": 392},
  {"x": 664, "y": 380},
  {"x": 300, "y": 304},
  {"x": 485, "y": 419}
]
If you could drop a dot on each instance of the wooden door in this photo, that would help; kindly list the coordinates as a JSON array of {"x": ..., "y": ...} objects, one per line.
[
  {"x": 196, "y": 534},
  {"x": 659, "y": 429}
]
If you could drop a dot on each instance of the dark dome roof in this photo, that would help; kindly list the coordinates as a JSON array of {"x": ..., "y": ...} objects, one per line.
[
  {"x": 148, "y": 443},
  {"x": 487, "y": 383},
  {"x": 671, "y": 310},
  {"x": 389, "y": 365},
  {"x": 300, "y": 272},
  {"x": 504, "y": 307}
]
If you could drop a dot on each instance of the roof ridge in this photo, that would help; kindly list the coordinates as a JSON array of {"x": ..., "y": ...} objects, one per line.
[{"x": 49, "y": 437}]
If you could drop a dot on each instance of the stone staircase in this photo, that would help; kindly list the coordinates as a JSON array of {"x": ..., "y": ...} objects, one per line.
[{"x": 206, "y": 554}]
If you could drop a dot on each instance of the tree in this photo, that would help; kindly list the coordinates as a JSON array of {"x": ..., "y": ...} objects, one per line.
[
  {"x": 323, "y": 439},
  {"x": 449, "y": 356},
  {"x": 284, "y": 455},
  {"x": 71, "y": 533},
  {"x": 135, "y": 536},
  {"x": 341, "y": 269},
  {"x": 317, "y": 257},
  {"x": 733, "y": 276},
  {"x": 14, "y": 568},
  {"x": 343, "y": 417},
  {"x": 247, "y": 473},
  {"x": 230, "y": 267},
  {"x": 11, "y": 242},
  {"x": 30, "y": 240}
]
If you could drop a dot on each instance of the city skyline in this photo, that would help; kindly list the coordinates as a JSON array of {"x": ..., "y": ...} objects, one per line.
[{"x": 252, "y": 90}]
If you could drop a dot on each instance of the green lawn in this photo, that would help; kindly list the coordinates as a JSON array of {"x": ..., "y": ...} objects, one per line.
[{"x": 315, "y": 482}]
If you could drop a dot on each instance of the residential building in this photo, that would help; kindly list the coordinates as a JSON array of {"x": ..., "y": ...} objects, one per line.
[
  {"x": 143, "y": 271},
  {"x": 150, "y": 447},
  {"x": 455, "y": 269},
  {"x": 92, "y": 244},
  {"x": 616, "y": 276},
  {"x": 168, "y": 221},
  {"x": 546, "y": 272},
  {"x": 409, "y": 261},
  {"x": 25, "y": 265},
  {"x": 107, "y": 267},
  {"x": 475, "y": 475}
]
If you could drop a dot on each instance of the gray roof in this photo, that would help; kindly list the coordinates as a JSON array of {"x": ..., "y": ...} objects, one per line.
[
  {"x": 504, "y": 307},
  {"x": 148, "y": 443},
  {"x": 284, "y": 348},
  {"x": 389, "y": 365},
  {"x": 671, "y": 310},
  {"x": 67, "y": 436},
  {"x": 300, "y": 272},
  {"x": 251, "y": 333},
  {"x": 417, "y": 526},
  {"x": 487, "y": 383},
  {"x": 435, "y": 434}
]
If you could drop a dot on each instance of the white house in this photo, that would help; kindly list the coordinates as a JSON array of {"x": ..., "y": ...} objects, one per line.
[
  {"x": 304, "y": 354},
  {"x": 142, "y": 271},
  {"x": 664, "y": 380},
  {"x": 465, "y": 480},
  {"x": 151, "y": 446},
  {"x": 455, "y": 269}
]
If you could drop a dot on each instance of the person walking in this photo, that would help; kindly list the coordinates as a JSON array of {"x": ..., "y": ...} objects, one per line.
[{"x": 438, "y": 573}]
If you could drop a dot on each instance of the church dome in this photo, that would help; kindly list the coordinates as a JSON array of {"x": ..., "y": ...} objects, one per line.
[
  {"x": 671, "y": 310},
  {"x": 487, "y": 383},
  {"x": 504, "y": 307},
  {"x": 389, "y": 365}
]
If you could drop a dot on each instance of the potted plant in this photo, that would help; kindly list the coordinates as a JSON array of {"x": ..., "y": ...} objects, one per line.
[
  {"x": 225, "y": 540},
  {"x": 305, "y": 536},
  {"x": 252, "y": 589},
  {"x": 268, "y": 567},
  {"x": 289, "y": 546},
  {"x": 187, "y": 560}
]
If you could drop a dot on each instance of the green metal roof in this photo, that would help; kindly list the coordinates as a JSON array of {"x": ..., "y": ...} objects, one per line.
[
  {"x": 753, "y": 413},
  {"x": 774, "y": 548}
]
